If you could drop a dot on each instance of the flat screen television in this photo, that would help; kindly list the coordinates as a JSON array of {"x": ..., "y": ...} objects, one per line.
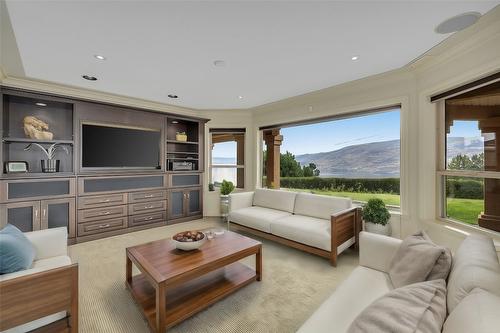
[{"x": 109, "y": 146}]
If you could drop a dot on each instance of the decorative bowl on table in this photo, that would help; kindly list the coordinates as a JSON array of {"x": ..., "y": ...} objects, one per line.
[{"x": 189, "y": 240}]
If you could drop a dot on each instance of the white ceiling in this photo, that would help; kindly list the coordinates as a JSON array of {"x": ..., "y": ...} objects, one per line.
[{"x": 273, "y": 50}]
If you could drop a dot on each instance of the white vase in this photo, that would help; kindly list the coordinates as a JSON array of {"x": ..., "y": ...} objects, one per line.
[{"x": 378, "y": 228}]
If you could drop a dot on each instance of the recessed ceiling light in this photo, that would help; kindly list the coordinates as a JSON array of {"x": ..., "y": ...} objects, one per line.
[
  {"x": 219, "y": 63},
  {"x": 240, "y": 97},
  {"x": 354, "y": 58},
  {"x": 172, "y": 96},
  {"x": 99, "y": 57},
  {"x": 175, "y": 122},
  {"x": 457, "y": 23},
  {"x": 40, "y": 104},
  {"x": 89, "y": 77}
]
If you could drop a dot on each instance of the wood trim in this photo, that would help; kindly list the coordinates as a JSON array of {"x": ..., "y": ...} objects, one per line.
[
  {"x": 466, "y": 87},
  {"x": 329, "y": 118},
  {"x": 227, "y": 130},
  {"x": 46, "y": 292}
]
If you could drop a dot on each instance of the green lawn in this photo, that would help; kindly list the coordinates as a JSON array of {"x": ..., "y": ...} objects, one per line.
[{"x": 465, "y": 210}]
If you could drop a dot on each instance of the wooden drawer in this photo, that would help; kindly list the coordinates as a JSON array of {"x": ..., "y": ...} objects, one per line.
[
  {"x": 102, "y": 201},
  {"x": 147, "y": 196},
  {"x": 147, "y": 218},
  {"x": 147, "y": 207},
  {"x": 92, "y": 228},
  {"x": 87, "y": 215}
]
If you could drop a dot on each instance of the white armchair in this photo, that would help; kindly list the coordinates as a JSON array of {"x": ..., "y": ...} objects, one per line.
[{"x": 45, "y": 295}]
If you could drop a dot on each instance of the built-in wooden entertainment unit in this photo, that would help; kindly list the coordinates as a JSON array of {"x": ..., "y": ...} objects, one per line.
[{"x": 96, "y": 202}]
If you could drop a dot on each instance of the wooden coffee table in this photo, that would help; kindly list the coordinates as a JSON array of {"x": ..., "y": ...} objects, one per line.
[{"x": 174, "y": 284}]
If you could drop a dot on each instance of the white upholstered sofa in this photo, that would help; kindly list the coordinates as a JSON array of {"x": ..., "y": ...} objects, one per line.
[
  {"x": 475, "y": 268},
  {"x": 319, "y": 224},
  {"x": 45, "y": 295}
]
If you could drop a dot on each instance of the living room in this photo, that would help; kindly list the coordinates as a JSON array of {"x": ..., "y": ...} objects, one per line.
[{"x": 144, "y": 154}]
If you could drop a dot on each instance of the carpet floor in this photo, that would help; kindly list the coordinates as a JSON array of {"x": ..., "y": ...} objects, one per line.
[{"x": 294, "y": 284}]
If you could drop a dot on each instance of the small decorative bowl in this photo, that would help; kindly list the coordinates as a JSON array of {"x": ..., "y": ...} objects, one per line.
[{"x": 189, "y": 240}]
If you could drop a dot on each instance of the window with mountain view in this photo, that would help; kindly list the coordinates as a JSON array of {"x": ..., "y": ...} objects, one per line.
[
  {"x": 227, "y": 156},
  {"x": 471, "y": 168},
  {"x": 356, "y": 157}
]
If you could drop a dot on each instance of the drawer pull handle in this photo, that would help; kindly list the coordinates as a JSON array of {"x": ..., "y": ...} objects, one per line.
[
  {"x": 106, "y": 213},
  {"x": 149, "y": 207},
  {"x": 148, "y": 196},
  {"x": 148, "y": 218},
  {"x": 104, "y": 225},
  {"x": 105, "y": 200}
]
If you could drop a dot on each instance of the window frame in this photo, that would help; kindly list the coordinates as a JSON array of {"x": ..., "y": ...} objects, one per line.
[
  {"x": 212, "y": 131},
  {"x": 442, "y": 172}
]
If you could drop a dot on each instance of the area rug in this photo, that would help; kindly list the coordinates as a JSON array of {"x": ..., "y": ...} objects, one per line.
[{"x": 294, "y": 284}]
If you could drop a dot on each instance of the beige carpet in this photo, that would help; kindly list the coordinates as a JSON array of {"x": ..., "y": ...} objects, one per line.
[{"x": 294, "y": 284}]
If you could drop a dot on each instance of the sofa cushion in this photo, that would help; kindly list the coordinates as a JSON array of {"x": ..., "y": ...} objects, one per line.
[
  {"x": 475, "y": 265},
  {"x": 320, "y": 206},
  {"x": 39, "y": 266},
  {"x": 419, "y": 307},
  {"x": 304, "y": 229},
  {"x": 274, "y": 199},
  {"x": 257, "y": 217},
  {"x": 49, "y": 243},
  {"x": 477, "y": 312},
  {"x": 360, "y": 289},
  {"x": 16, "y": 251},
  {"x": 418, "y": 259}
]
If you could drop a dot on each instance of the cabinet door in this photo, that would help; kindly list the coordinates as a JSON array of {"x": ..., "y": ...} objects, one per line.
[
  {"x": 177, "y": 204},
  {"x": 23, "y": 215},
  {"x": 193, "y": 198},
  {"x": 59, "y": 213}
]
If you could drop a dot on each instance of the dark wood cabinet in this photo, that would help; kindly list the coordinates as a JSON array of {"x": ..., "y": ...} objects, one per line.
[
  {"x": 96, "y": 202},
  {"x": 185, "y": 202}
]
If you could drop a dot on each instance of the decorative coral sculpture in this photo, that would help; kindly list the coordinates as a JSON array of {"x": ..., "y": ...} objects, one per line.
[{"x": 35, "y": 128}]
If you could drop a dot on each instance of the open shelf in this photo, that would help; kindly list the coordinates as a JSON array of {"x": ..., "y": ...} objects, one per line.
[
  {"x": 182, "y": 142},
  {"x": 28, "y": 140}
]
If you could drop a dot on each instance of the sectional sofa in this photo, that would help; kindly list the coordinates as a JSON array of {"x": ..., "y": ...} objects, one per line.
[
  {"x": 318, "y": 224},
  {"x": 473, "y": 289}
]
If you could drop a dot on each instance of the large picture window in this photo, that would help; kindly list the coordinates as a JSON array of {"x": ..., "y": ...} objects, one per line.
[
  {"x": 356, "y": 156},
  {"x": 227, "y": 158},
  {"x": 470, "y": 159}
]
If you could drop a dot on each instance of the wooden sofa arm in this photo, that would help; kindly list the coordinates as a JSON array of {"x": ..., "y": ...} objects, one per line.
[
  {"x": 344, "y": 225},
  {"x": 30, "y": 297}
]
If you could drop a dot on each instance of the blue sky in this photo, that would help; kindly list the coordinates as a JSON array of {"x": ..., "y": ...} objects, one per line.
[
  {"x": 333, "y": 135},
  {"x": 465, "y": 129}
]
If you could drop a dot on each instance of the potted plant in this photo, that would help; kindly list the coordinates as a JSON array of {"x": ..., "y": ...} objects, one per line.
[
  {"x": 225, "y": 189},
  {"x": 50, "y": 164},
  {"x": 376, "y": 217}
]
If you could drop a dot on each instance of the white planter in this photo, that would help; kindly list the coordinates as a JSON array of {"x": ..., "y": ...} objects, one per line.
[
  {"x": 378, "y": 228},
  {"x": 224, "y": 205}
]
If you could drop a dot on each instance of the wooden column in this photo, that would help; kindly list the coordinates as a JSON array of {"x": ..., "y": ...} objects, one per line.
[
  {"x": 273, "y": 140},
  {"x": 240, "y": 160},
  {"x": 490, "y": 218}
]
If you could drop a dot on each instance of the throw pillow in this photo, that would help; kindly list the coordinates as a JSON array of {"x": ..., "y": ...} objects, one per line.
[
  {"x": 419, "y": 259},
  {"x": 16, "y": 251},
  {"x": 416, "y": 308}
]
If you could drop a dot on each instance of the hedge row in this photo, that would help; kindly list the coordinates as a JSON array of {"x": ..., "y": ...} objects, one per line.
[
  {"x": 465, "y": 188},
  {"x": 456, "y": 187},
  {"x": 384, "y": 185}
]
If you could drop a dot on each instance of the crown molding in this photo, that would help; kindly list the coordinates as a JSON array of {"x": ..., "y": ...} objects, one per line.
[{"x": 93, "y": 95}]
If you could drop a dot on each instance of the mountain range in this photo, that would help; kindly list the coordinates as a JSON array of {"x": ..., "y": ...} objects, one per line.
[{"x": 377, "y": 159}]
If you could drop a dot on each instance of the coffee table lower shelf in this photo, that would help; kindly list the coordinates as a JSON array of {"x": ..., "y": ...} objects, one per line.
[{"x": 183, "y": 301}]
